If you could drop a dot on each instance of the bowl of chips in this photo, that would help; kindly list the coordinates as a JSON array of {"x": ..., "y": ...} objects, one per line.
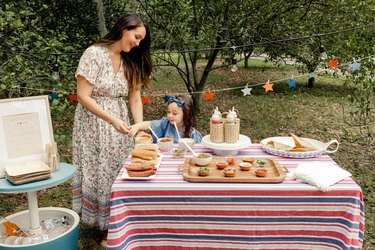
[{"x": 297, "y": 147}]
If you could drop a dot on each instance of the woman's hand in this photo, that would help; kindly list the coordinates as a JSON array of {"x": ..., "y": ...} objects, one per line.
[
  {"x": 134, "y": 130},
  {"x": 120, "y": 126}
]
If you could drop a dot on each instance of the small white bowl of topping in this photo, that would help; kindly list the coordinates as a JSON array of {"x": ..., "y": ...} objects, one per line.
[{"x": 202, "y": 159}]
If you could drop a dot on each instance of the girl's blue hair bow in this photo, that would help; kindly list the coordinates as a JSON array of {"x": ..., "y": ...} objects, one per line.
[{"x": 169, "y": 99}]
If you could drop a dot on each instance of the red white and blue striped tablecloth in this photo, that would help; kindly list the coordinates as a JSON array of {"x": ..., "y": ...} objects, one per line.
[{"x": 170, "y": 213}]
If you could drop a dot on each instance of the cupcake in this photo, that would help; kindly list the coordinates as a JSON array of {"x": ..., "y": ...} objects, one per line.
[
  {"x": 229, "y": 172},
  {"x": 221, "y": 164},
  {"x": 248, "y": 159},
  {"x": 245, "y": 166},
  {"x": 230, "y": 160},
  {"x": 203, "y": 171},
  {"x": 261, "y": 172}
]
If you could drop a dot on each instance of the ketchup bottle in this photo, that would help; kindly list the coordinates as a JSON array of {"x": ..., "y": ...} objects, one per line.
[{"x": 215, "y": 119}]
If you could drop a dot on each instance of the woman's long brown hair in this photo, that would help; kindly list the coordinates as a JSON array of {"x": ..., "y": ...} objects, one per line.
[{"x": 137, "y": 62}]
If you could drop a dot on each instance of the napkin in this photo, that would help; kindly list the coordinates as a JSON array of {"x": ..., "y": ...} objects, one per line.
[
  {"x": 24, "y": 172},
  {"x": 321, "y": 175}
]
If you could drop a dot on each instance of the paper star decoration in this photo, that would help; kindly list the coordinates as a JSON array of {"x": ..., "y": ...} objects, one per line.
[
  {"x": 145, "y": 100},
  {"x": 268, "y": 86},
  {"x": 246, "y": 91},
  {"x": 73, "y": 97},
  {"x": 333, "y": 63},
  {"x": 355, "y": 66},
  {"x": 292, "y": 83},
  {"x": 312, "y": 75},
  {"x": 54, "y": 96},
  {"x": 209, "y": 96}
]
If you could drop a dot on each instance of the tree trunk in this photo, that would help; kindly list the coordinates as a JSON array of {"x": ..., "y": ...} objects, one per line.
[
  {"x": 195, "y": 98},
  {"x": 101, "y": 18},
  {"x": 247, "y": 55},
  {"x": 203, "y": 80}
]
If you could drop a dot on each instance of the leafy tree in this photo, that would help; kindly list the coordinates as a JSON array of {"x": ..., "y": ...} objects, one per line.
[
  {"x": 188, "y": 27},
  {"x": 332, "y": 20}
]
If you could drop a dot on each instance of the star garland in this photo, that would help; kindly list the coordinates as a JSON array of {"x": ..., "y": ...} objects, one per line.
[
  {"x": 333, "y": 63},
  {"x": 210, "y": 94},
  {"x": 292, "y": 83},
  {"x": 268, "y": 86},
  {"x": 246, "y": 91},
  {"x": 145, "y": 100}
]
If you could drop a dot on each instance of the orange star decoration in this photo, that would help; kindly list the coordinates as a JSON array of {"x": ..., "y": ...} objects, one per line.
[
  {"x": 209, "y": 96},
  {"x": 268, "y": 86},
  {"x": 333, "y": 63},
  {"x": 145, "y": 100}
]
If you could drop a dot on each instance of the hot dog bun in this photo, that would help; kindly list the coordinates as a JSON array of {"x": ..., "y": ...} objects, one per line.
[
  {"x": 144, "y": 154},
  {"x": 152, "y": 147}
]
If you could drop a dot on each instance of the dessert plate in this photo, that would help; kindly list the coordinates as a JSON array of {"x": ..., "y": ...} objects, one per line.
[
  {"x": 127, "y": 177},
  {"x": 317, "y": 148}
]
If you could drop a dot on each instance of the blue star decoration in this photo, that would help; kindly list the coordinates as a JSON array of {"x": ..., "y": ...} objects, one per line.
[
  {"x": 246, "y": 91},
  {"x": 292, "y": 83},
  {"x": 355, "y": 66},
  {"x": 54, "y": 96}
]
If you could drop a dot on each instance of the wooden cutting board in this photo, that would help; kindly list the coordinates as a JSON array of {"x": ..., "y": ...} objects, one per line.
[{"x": 275, "y": 173}]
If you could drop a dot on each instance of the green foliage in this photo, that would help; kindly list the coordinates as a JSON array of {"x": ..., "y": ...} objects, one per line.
[
  {"x": 361, "y": 115},
  {"x": 26, "y": 56}
]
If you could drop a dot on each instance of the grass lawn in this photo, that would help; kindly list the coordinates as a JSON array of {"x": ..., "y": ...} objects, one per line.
[{"x": 320, "y": 113}]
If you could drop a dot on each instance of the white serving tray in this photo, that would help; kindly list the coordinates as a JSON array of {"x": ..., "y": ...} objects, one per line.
[
  {"x": 227, "y": 148},
  {"x": 127, "y": 177}
]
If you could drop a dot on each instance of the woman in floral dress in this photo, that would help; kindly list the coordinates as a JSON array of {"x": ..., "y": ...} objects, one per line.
[{"x": 108, "y": 73}]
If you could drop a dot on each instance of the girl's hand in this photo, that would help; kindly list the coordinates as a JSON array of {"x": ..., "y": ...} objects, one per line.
[
  {"x": 143, "y": 134},
  {"x": 120, "y": 126}
]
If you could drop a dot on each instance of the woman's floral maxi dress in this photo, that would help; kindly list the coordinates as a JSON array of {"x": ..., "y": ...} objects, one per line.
[{"x": 98, "y": 150}]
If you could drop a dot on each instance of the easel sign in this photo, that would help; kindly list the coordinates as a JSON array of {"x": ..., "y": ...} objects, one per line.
[{"x": 25, "y": 130}]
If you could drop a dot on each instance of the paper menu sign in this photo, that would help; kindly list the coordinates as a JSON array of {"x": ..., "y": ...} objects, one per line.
[{"x": 22, "y": 135}]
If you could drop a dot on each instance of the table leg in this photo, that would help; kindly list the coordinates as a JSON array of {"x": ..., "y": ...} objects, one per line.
[{"x": 32, "y": 199}]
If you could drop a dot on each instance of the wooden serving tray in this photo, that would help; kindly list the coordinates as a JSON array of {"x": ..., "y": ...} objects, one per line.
[{"x": 275, "y": 172}]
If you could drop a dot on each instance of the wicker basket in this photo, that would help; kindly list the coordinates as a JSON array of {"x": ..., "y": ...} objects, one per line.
[
  {"x": 216, "y": 132},
  {"x": 232, "y": 131}
]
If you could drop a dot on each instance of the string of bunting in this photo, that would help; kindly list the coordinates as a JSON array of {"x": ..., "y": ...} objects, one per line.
[
  {"x": 268, "y": 86},
  {"x": 209, "y": 95}
]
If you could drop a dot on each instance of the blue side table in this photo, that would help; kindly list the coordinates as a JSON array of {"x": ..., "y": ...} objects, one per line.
[{"x": 65, "y": 172}]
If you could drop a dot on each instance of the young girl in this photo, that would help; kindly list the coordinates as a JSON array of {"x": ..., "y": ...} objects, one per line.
[{"x": 179, "y": 110}]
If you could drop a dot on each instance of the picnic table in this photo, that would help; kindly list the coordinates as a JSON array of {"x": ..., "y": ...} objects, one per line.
[{"x": 168, "y": 212}]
